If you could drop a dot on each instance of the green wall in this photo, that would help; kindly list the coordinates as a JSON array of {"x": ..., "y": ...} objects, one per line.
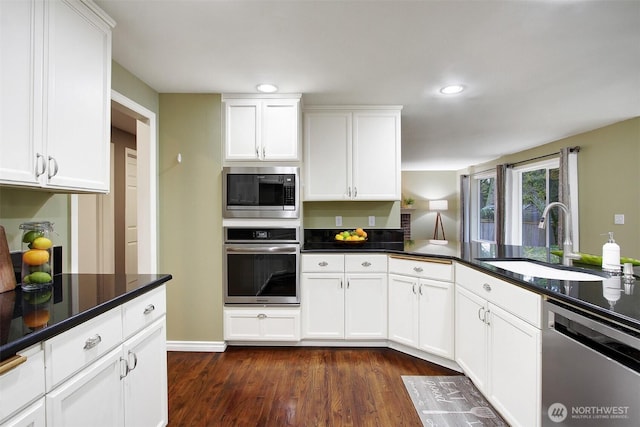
[
  {"x": 608, "y": 177},
  {"x": 354, "y": 214},
  {"x": 190, "y": 215}
]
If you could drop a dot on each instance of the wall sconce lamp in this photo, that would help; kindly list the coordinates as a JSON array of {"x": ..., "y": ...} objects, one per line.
[{"x": 438, "y": 205}]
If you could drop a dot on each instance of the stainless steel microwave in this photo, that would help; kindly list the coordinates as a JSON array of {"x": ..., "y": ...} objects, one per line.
[{"x": 260, "y": 192}]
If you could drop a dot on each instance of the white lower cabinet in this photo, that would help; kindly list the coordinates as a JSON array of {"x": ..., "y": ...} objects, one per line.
[
  {"x": 498, "y": 343},
  {"x": 21, "y": 385},
  {"x": 421, "y": 307},
  {"x": 92, "y": 397},
  {"x": 261, "y": 324},
  {"x": 32, "y": 416},
  {"x": 145, "y": 389},
  {"x": 344, "y": 296}
]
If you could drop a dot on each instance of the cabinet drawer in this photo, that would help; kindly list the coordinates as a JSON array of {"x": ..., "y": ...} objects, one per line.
[
  {"x": 144, "y": 310},
  {"x": 427, "y": 268},
  {"x": 322, "y": 263},
  {"x": 366, "y": 263},
  {"x": 262, "y": 324},
  {"x": 23, "y": 383},
  {"x": 78, "y": 347},
  {"x": 518, "y": 301}
]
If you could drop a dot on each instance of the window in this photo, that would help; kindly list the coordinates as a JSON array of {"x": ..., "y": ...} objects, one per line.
[
  {"x": 484, "y": 202},
  {"x": 534, "y": 187}
]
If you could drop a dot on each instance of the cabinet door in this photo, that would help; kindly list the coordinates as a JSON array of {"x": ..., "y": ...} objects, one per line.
[
  {"x": 32, "y": 416},
  {"x": 78, "y": 92},
  {"x": 471, "y": 336},
  {"x": 403, "y": 310},
  {"x": 366, "y": 306},
  {"x": 436, "y": 317},
  {"x": 93, "y": 397},
  {"x": 242, "y": 129},
  {"x": 20, "y": 64},
  {"x": 322, "y": 302},
  {"x": 280, "y": 136},
  {"x": 376, "y": 155},
  {"x": 514, "y": 352},
  {"x": 145, "y": 386},
  {"x": 327, "y": 151}
]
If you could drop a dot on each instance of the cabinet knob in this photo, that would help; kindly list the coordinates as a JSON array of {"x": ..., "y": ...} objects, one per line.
[
  {"x": 418, "y": 269},
  {"x": 486, "y": 287},
  {"x": 366, "y": 264},
  {"x": 92, "y": 342},
  {"x": 323, "y": 263},
  {"x": 148, "y": 309}
]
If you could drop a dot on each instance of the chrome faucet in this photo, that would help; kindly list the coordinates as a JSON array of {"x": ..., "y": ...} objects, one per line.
[{"x": 567, "y": 246}]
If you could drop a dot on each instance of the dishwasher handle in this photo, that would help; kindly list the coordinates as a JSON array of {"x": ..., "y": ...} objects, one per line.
[{"x": 552, "y": 309}]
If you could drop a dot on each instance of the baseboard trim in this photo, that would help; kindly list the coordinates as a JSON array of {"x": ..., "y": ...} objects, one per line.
[
  {"x": 438, "y": 360},
  {"x": 206, "y": 346}
]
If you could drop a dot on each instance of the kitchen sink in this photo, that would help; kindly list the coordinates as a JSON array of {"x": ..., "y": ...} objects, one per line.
[{"x": 545, "y": 271}]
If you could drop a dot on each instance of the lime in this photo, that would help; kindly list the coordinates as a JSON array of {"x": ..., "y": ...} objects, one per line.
[
  {"x": 39, "y": 277},
  {"x": 31, "y": 236}
]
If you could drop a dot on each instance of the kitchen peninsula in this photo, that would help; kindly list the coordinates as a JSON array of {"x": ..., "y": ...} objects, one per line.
[{"x": 102, "y": 348}]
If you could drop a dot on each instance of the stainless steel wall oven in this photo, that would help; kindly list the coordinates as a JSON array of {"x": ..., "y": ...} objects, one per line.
[{"x": 261, "y": 265}]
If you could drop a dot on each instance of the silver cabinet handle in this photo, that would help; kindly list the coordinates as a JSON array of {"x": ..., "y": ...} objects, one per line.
[
  {"x": 92, "y": 342},
  {"x": 124, "y": 368},
  {"x": 323, "y": 263},
  {"x": 487, "y": 316},
  {"x": 349, "y": 192},
  {"x": 486, "y": 287},
  {"x": 135, "y": 361},
  {"x": 420, "y": 289},
  {"x": 41, "y": 166},
  {"x": 355, "y": 192},
  {"x": 258, "y": 152},
  {"x": 481, "y": 310},
  {"x": 414, "y": 289},
  {"x": 262, "y": 316},
  {"x": 417, "y": 269},
  {"x": 366, "y": 264},
  {"x": 55, "y": 167},
  {"x": 264, "y": 153},
  {"x": 148, "y": 309},
  {"x": 341, "y": 284},
  {"x": 348, "y": 284}
]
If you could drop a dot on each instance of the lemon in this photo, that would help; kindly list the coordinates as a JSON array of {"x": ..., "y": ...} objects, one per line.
[
  {"x": 339, "y": 237},
  {"x": 35, "y": 257},
  {"x": 41, "y": 243}
]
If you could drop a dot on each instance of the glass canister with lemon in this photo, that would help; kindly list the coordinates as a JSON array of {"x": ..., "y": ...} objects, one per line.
[{"x": 37, "y": 254}]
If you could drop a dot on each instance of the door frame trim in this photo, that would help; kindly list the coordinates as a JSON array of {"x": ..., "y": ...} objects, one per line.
[{"x": 147, "y": 194}]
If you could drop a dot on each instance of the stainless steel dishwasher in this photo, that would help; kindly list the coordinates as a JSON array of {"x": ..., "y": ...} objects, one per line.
[{"x": 590, "y": 370}]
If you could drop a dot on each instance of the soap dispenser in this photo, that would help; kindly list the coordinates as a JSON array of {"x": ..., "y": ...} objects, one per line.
[{"x": 611, "y": 255}]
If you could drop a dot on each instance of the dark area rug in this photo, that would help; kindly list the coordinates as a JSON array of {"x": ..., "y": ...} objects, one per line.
[{"x": 450, "y": 401}]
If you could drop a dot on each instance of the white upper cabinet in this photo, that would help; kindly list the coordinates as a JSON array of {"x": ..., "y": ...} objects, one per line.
[
  {"x": 261, "y": 129},
  {"x": 56, "y": 92},
  {"x": 352, "y": 153}
]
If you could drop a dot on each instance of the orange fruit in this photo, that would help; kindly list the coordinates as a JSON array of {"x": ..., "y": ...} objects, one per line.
[
  {"x": 35, "y": 257},
  {"x": 36, "y": 319},
  {"x": 359, "y": 231}
]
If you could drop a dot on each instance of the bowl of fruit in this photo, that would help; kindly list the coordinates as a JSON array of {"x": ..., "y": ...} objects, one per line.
[{"x": 356, "y": 236}]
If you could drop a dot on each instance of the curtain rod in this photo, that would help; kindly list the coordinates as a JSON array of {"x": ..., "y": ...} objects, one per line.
[
  {"x": 575, "y": 149},
  {"x": 544, "y": 156}
]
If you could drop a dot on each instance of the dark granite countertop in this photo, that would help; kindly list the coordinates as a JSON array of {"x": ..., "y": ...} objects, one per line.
[
  {"x": 612, "y": 299},
  {"x": 72, "y": 300}
]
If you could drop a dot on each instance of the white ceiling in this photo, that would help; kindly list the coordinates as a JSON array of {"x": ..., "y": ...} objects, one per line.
[{"x": 535, "y": 71}]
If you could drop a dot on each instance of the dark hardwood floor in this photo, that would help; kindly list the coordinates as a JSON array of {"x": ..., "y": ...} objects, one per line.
[{"x": 294, "y": 386}]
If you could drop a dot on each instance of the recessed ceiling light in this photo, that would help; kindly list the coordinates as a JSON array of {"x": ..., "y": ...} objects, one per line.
[
  {"x": 452, "y": 89},
  {"x": 267, "y": 88}
]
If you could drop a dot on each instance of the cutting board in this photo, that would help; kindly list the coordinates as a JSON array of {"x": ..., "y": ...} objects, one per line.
[{"x": 7, "y": 275}]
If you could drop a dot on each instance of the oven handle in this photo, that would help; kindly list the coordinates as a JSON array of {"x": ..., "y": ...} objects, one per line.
[
  {"x": 589, "y": 323},
  {"x": 288, "y": 249}
]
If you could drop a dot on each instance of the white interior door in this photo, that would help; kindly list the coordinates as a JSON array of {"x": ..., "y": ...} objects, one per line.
[{"x": 131, "y": 211}]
